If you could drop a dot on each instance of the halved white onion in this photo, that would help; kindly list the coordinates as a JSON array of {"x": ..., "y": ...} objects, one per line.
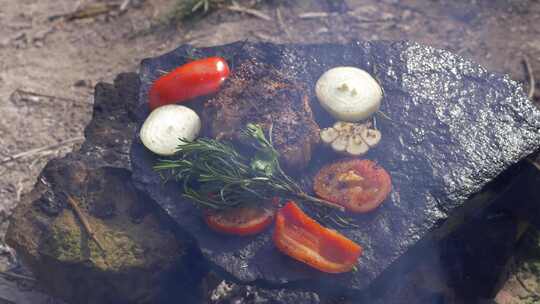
[
  {"x": 348, "y": 93},
  {"x": 163, "y": 128}
]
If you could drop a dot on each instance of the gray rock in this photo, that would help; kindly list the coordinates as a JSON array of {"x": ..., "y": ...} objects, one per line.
[
  {"x": 226, "y": 292},
  {"x": 144, "y": 256},
  {"x": 450, "y": 128}
]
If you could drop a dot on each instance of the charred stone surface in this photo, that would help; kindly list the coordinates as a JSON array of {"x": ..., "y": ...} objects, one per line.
[
  {"x": 220, "y": 291},
  {"x": 143, "y": 259},
  {"x": 449, "y": 129}
]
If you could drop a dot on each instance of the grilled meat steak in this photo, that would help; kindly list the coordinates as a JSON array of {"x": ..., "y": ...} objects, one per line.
[{"x": 259, "y": 94}]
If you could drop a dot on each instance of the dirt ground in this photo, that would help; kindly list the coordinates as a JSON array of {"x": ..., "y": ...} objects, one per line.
[{"x": 49, "y": 65}]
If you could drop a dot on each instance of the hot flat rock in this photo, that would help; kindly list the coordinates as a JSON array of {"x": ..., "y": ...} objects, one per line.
[{"x": 449, "y": 128}]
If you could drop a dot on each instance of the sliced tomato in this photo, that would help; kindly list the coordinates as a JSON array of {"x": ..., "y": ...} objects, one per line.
[
  {"x": 358, "y": 185},
  {"x": 196, "y": 78},
  {"x": 240, "y": 221},
  {"x": 302, "y": 238}
]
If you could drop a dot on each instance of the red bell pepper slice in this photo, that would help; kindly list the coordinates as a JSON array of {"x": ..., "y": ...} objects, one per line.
[{"x": 302, "y": 238}]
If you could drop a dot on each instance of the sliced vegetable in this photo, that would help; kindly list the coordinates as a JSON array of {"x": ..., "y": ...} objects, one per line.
[
  {"x": 351, "y": 138},
  {"x": 358, "y": 185},
  {"x": 302, "y": 238},
  {"x": 196, "y": 78},
  {"x": 349, "y": 93},
  {"x": 242, "y": 221},
  {"x": 164, "y": 126}
]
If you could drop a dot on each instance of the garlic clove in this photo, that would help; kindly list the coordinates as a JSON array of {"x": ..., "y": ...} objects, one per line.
[
  {"x": 340, "y": 125},
  {"x": 340, "y": 143},
  {"x": 356, "y": 146},
  {"x": 372, "y": 137},
  {"x": 360, "y": 128},
  {"x": 357, "y": 139},
  {"x": 353, "y": 138},
  {"x": 328, "y": 135},
  {"x": 163, "y": 128},
  {"x": 348, "y": 93}
]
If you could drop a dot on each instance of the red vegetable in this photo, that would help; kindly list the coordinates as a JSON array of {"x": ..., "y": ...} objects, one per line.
[
  {"x": 240, "y": 221},
  {"x": 196, "y": 78},
  {"x": 302, "y": 238},
  {"x": 358, "y": 185}
]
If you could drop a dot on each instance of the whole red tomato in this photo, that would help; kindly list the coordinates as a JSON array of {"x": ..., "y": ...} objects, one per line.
[{"x": 196, "y": 78}]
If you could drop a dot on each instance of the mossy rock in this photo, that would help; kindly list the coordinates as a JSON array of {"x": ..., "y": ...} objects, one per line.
[{"x": 145, "y": 258}]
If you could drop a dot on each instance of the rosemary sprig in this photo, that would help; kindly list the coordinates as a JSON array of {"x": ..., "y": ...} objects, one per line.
[{"x": 214, "y": 175}]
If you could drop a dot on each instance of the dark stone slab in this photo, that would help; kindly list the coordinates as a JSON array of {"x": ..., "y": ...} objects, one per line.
[{"x": 453, "y": 127}]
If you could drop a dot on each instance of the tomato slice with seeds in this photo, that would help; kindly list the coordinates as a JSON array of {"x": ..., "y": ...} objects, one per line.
[
  {"x": 302, "y": 238},
  {"x": 358, "y": 185},
  {"x": 248, "y": 220}
]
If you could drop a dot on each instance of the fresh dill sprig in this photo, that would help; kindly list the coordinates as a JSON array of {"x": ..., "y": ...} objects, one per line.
[{"x": 214, "y": 175}]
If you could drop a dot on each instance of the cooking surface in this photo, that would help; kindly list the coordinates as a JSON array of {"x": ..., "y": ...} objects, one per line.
[{"x": 452, "y": 128}]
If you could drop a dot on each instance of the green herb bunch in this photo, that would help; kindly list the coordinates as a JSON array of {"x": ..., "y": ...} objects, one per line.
[{"x": 215, "y": 175}]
